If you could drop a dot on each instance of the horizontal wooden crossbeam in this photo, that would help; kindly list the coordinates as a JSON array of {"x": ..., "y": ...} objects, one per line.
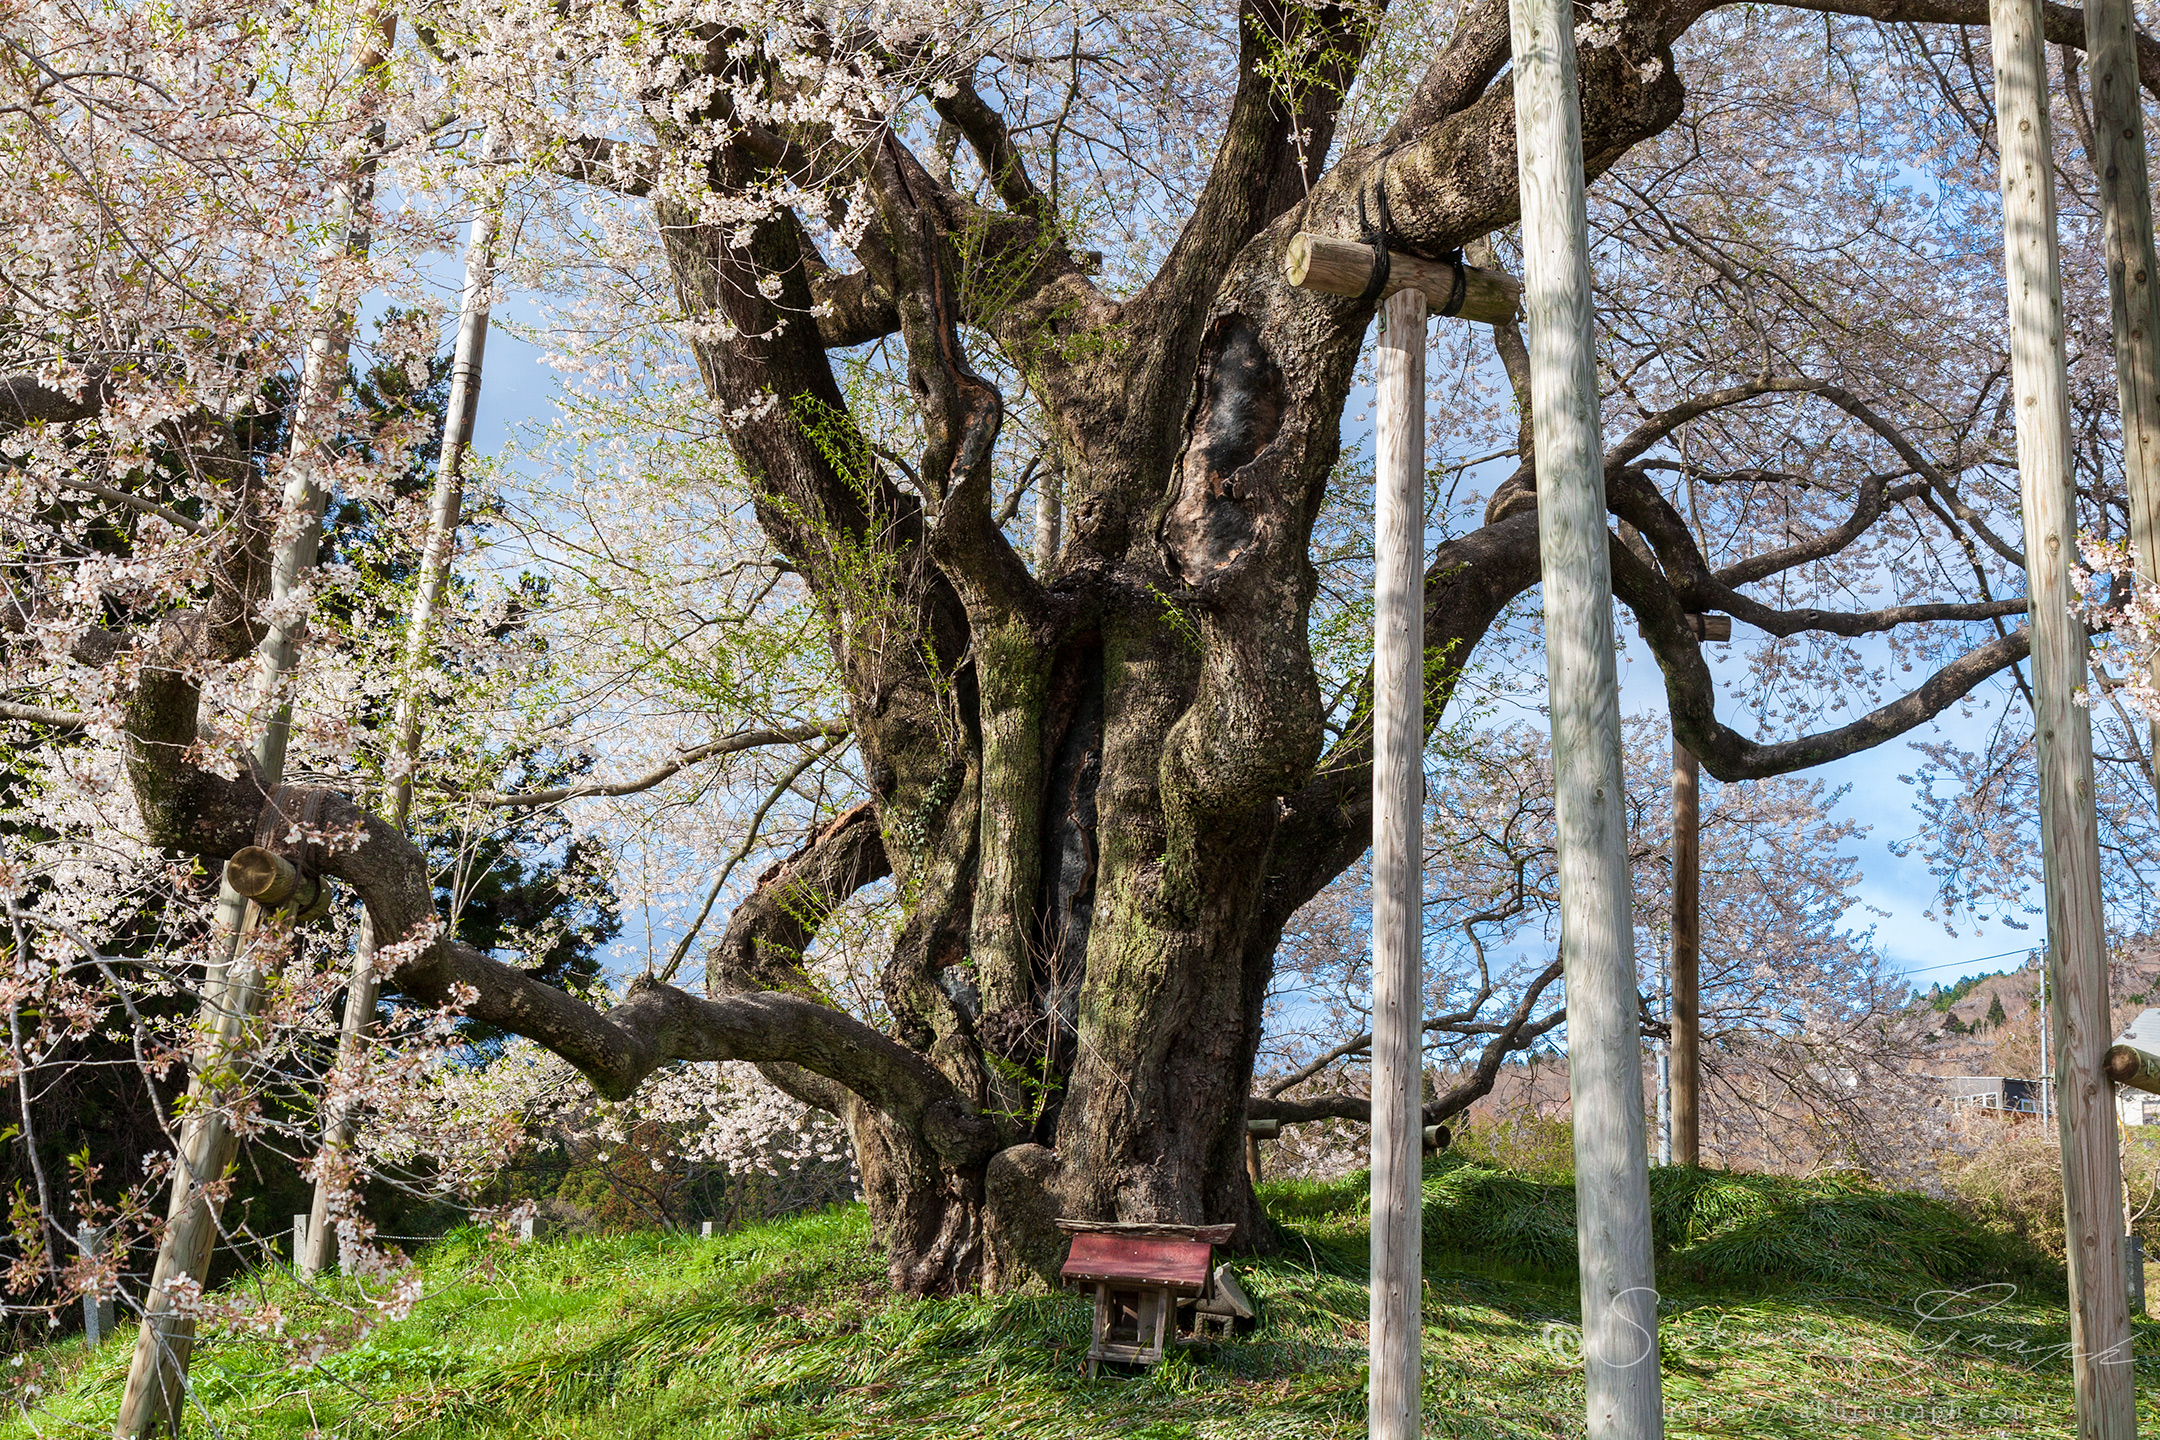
[
  {"x": 1344, "y": 267},
  {"x": 2138, "y": 1069}
]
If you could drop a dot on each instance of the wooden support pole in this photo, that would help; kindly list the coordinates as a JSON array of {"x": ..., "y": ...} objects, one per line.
[
  {"x": 233, "y": 982},
  {"x": 1398, "y": 1061},
  {"x": 1344, "y": 267},
  {"x": 1623, "y": 1391},
  {"x": 1686, "y": 958},
  {"x": 1049, "y": 518},
  {"x": 2118, "y": 159},
  {"x": 2069, "y": 824},
  {"x": 445, "y": 504}
]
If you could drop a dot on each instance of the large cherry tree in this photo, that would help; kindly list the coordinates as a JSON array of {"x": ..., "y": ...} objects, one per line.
[{"x": 1102, "y": 777}]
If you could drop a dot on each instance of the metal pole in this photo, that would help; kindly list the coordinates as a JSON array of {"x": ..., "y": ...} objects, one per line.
[
  {"x": 1397, "y": 917},
  {"x": 1623, "y": 1393},
  {"x": 2069, "y": 824}
]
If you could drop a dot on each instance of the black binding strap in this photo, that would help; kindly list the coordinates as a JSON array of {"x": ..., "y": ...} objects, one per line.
[
  {"x": 1461, "y": 287},
  {"x": 1375, "y": 236}
]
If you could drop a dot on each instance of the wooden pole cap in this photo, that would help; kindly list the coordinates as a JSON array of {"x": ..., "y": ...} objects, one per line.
[
  {"x": 2128, "y": 1065},
  {"x": 1711, "y": 627},
  {"x": 264, "y": 876}
]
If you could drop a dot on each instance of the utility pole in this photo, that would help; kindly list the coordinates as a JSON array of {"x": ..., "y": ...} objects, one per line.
[
  {"x": 1623, "y": 1393},
  {"x": 1396, "y": 1366},
  {"x": 2069, "y": 822}
]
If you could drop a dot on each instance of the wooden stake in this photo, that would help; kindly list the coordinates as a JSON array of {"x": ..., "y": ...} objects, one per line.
[
  {"x": 1686, "y": 959},
  {"x": 1343, "y": 267},
  {"x": 2069, "y": 825},
  {"x": 1612, "y": 1182},
  {"x": 1398, "y": 874}
]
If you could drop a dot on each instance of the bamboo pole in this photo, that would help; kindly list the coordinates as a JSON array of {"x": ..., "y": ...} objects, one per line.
[
  {"x": 2118, "y": 158},
  {"x": 1686, "y": 958},
  {"x": 1623, "y": 1394},
  {"x": 445, "y": 503},
  {"x": 233, "y": 982},
  {"x": 2069, "y": 825},
  {"x": 1398, "y": 1070}
]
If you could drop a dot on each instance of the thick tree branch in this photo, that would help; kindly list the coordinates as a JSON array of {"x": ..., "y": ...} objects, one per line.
[
  {"x": 961, "y": 412},
  {"x": 616, "y": 1048},
  {"x": 1725, "y": 753},
  {"x": 2060, "y": 24},
  {"x": 134, "y": 502},
  {"x": 27, "y": 400},
  {"x": 609, "y": 164},
  {"x": 1631, "y": 496},
  {"x": 991, "y": 140},
  {"x": 40, "y": 715}
]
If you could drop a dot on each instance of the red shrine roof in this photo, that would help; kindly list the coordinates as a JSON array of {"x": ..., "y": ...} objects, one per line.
[{"x": 1179, "y": 1265}]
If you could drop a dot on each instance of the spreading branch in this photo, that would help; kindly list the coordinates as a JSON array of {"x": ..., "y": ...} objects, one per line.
[{"x": 734, "y": 744}]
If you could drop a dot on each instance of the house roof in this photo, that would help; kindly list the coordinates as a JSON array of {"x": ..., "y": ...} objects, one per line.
[{"x": 2144, "y": 1032}]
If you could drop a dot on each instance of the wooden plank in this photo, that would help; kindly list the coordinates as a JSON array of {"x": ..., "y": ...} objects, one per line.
[
  {"x": 1686, "y": 959},
  {"x": 1344, "y": 267},
  {"x": 1398, "y": 927},
  {"x": 2069, "y": 824},
  {"x": 1623, "y": 1396}
]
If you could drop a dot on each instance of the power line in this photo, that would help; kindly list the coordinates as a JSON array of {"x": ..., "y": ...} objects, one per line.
[{"x": 1977, "y": 960}]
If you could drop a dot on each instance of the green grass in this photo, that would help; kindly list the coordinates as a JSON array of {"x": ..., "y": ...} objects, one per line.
[{"x": 787, "y": 1329}]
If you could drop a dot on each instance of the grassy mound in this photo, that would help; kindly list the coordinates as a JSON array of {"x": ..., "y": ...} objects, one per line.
[
  {"x": 1717, "y": 1226},
  {"x": 788, "y": 1330}
]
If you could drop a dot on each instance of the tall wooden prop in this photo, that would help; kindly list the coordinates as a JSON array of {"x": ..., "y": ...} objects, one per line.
[
  {"x": 233, "y": 986},
  {"x": 445, "y": 503},
  {"x": 1398, "y": 876},
  {"x": 1049, "y": 519},
  {"x": 2069, "y": 827},
  {"x": 1686, "y": 958},
  {"x": 1612, "y": 1179},
  {"x": 2133, "y": 274}
]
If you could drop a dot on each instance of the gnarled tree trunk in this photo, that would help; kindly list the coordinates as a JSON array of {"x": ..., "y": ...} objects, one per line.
[{"x": 1101, "y": 788}]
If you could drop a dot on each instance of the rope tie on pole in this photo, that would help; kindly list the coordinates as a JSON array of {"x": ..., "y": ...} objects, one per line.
[{"x": 1378, "y": 236}]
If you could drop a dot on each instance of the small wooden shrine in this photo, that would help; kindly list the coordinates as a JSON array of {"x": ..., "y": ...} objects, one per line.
[{"x": 1155, "y": 1286}]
